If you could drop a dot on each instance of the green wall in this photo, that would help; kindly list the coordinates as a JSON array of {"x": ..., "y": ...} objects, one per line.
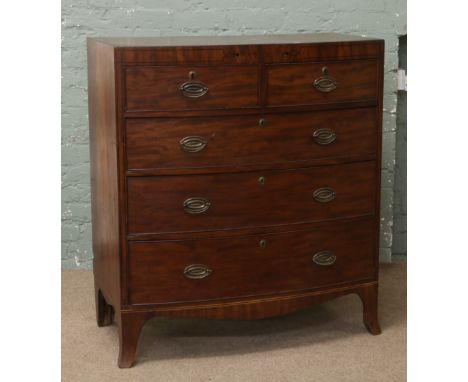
[{"x": 399, "y": 209}]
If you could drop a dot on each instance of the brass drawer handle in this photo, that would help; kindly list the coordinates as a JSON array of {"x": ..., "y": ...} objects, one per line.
[
  {"x": 324, "y": 258},
  {"x": 197, "y": 271},
  {"x": 193, "y": 89},
  {"x": 324, "y": 195},
  {"x": 193, "y": 144},
  {"x": 324, "y": 136},
  {"x": 325, "y": 83},
  {"x": 196, "y": 205}
]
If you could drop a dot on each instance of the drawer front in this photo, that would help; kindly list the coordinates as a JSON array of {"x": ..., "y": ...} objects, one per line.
[
  {"x": 320, "y": 52},
  {"x": 322, "y": 82},
  {"x": 177, "y": 55},
  {"x": 187, "y": 87},
  {"x": 222, "y": 201},
  {"x": 248, "y": 140},
  {"x": 206, "y": 269}
]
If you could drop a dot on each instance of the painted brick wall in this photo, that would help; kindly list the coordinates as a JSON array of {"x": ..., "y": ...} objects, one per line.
[
  {"x": 82, "y": 18},
  {"x": 399, "y": 205}
]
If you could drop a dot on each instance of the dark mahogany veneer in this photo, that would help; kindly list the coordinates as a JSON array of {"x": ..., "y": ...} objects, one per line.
[{"x": 233, "y": 177}]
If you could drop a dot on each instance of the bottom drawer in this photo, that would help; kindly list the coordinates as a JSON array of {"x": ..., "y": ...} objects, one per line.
[{"x": 209, "y": 269}]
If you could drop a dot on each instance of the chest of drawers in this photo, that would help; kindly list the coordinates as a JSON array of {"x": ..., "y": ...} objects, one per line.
[{"x": 233, "y": 177}]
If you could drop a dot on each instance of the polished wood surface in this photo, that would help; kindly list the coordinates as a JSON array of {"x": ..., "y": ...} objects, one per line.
[
  {"x": 250, "y": 265},
  {"x": 158, "y": 88},
  {"x": 235, "y": 54},
  {"x": 293, "y": 53},
  {"x": 143, "y": 236},
  {"x": 132, "y": 321},
  {"x": 292, "y": 84},
  {"x": 262, "y": 139},
  {"x": 104, "y": 175},
  {"x": 155, "y": 204}
]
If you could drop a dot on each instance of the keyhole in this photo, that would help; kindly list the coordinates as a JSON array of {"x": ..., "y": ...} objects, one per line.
[
  {"x": 263, "y": 243},
  {"x": 261, "y": 180},
  {"x": 325, "y": 71},
  {"x": 192, "y": 75}
]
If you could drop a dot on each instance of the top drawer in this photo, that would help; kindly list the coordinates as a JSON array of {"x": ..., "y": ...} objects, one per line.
[
  {"x": 322, "y": 82},
  {"x": 321, "y": 52},
  {"x": 191, "y": 87}
]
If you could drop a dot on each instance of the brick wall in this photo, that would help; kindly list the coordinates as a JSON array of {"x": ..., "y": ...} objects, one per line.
[
  {"x": 399, "y": 205},
  {"x": 82, "y": 18}
]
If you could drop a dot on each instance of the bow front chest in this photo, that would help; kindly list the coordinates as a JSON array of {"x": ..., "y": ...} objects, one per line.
[{"x": 233, "y": 177}]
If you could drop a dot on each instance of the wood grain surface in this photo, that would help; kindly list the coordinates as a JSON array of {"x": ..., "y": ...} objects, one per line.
[
  {"x": 155, "y": 204},
  {"x": 257, "y": 181},
  {"x": 154, "y": 143}
]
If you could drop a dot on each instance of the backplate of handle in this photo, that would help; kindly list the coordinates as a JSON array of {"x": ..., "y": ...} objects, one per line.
[
  {"x": 197, "y": 271},
  {"x": 196, "y": 205},
  {"x": 325, "y": 83},
  {"x": 193, "y": 144},
  {"x": 193, "y": 89},
  {"x": 324, "y": 258},
  {"x": 324, "y": 136},
  {"x": 324, "y": 195}
]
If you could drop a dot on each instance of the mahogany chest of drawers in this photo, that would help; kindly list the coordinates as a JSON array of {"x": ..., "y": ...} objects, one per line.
[{"x": 233, "y": 177}]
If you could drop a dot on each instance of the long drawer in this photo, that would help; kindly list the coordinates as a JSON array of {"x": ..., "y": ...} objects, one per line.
[
  {"x": 195, "y": 270},
  {"x": 224, "y": 201},
  {"x": 265, "y": 139}
]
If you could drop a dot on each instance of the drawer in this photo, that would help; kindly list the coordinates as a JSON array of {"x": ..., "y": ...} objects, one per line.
[
  {"x": 191, "y": 87},
  {"x": 321, "y": 52},
  {"x": 177, "y": 55},
  {"x": 172, "y": 143},
  {"x": 222, "y": 201},
  {"x": 322, "y": 82},
  {"x": 207, "y": 269}
]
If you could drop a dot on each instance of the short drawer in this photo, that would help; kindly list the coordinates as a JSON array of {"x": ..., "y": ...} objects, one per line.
[
  {"x": 187, "y": 87},
  {"x": 187, "y": 143},
  {"x": 322, "y": 82},
  {"x": 222, "y": 201},
  {"x": 209, "y": 269}
]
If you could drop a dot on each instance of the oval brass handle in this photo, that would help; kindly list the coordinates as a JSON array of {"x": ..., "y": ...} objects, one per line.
[
  {"x": 193, "y": 144},
  {"x": 324, "y": 258},
  {"x": 325, "y": 83},
  {"x": 324, "y": 136},
  {"x": 324, "y": 195},
  {"x": 197, "y": 271},
  {"x": 196, "y": 205},
  {"x": 193, "y": 89}
]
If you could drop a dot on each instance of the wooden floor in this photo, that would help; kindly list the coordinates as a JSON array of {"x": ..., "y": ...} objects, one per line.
[{"x": 325, "y": 343}]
